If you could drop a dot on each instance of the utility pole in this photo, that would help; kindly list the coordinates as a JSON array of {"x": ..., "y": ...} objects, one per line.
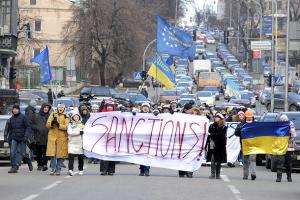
[
  {"x": 286, "y": 105},
  {"x": 273, "y": 67}
]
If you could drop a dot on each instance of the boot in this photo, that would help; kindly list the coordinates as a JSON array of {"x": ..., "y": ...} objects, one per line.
[
  {"x": 279, "y": 175},
  {"x": 189, "y": 174},
  {"x": 289, "y": 177},
  {"x": 218, "y": 171},
  {"x": 147, "y": 173},
  {"x": 13, "y": 170}
]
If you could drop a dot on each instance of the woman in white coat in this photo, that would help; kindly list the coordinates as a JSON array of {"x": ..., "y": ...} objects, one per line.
[{"x": 75, "y": 147}]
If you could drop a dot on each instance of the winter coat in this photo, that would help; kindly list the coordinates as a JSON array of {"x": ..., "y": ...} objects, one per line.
[
  {"x": 216, "y": 143},
  {"x": 85, "y": 118},
  {"x": 41, "y": 131},
  {"x": 30, "y": 117},
  {"x": 17, "y": 128},
  {"x": 58, "y": 136},
  {"x": 293, "y": 134},
  {"x": 75, "y": 139}
]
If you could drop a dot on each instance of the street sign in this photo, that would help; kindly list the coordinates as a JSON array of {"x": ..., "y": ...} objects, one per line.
[
  {"x": 261, "y": 45},
  {"x": 278, "y": 80},
  {"x": 137, "y": 76},
  {"x": 256, "y": 54}
]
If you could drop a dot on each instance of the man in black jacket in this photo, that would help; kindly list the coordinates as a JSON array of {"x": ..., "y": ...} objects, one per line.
[
  {"x": 41, "y": 136},
  {"x": 18, "y": 136}
]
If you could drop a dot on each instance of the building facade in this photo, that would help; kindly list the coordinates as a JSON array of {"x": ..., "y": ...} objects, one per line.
[
  {"x": 8, "y": 39},
  {"x": 42, "y": 23}
]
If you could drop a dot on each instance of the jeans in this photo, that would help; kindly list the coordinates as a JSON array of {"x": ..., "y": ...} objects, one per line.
[
  {"x": 18, "y": 153},
  {"x": 56, "y": 163},
  {"x": 249, "y": 164},
  {"x": 215, "y": 167},
  {"x": 80, "y": 161}
]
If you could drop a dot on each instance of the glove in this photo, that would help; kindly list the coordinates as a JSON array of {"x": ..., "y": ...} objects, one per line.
[
  {"x": 81, "y": 132},
  {"x": 133, "y": 113}
]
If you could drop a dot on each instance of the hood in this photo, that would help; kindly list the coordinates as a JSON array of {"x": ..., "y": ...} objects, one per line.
[
  {"x": 42, "y": 107},
  {"x": 30, "y": 108}
]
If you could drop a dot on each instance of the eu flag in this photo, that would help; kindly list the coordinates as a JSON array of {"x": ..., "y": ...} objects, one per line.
[
  {"x": 173, "y": 41},
  {"x": 43, "y": 60},
  {"x": 162, "y": 72}
]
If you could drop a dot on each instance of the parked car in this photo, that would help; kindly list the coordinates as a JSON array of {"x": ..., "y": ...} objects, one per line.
[
  {"x": 169, "y": 95},
  {"x": 265, "y": 95},
  {"x": 37, "y": 92},
  {"x": 69, "y": 102},
  {"x": 99, "y": 92},
  {"x": 26, "y": 97},
  {"x": 293, "y": 102},
  {"x": 4, "y": 147}
]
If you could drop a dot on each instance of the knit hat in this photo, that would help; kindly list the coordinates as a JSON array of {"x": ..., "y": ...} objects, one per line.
[
  {"x": 241, "y": 113},
  {"x": 219, "y": 115},
  {"x": 188, "y": 106},
  {"x": 145, "y": 104},
  {"x": 32, "y": 103},
  {"x": 249, "y": 113},
  {"x": 95, "y": 106},
  {"x": 61, "y": 105}
]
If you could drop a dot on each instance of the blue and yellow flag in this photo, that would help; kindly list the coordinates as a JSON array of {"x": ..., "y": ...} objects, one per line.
[
  {"x": 170, "y": 62},
  {"x": 265, "y": 138},
  {"x": 173, "y": 41},
  {"x": 162, "y": 72}
]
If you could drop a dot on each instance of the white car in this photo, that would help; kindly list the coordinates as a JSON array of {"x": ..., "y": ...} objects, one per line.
[
  {"x": 210, "y": 40},
  {"x": 207, "y": 98}
]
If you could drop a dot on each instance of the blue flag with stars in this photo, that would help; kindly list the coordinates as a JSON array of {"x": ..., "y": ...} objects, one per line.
[
  {"x": 173, "y": 41},
  {"x": 43, "y": 60}
]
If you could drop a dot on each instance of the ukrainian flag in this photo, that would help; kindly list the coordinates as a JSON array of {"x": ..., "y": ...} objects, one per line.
[
  {"x": 170, "y": 62},
  {"x": 265, "y": 138},
  {"x": 162, "y": 72}
]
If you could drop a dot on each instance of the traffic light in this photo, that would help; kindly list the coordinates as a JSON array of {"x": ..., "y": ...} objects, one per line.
[
  {"x": 269, "y": 82},
  {"x": 12, "y": 73},
  {"x": 144, "y": 75}
]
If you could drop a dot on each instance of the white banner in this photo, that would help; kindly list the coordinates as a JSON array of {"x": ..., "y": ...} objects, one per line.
[
  {"x": 233, "y": 146},
  {"x": 168, "y": 141}
]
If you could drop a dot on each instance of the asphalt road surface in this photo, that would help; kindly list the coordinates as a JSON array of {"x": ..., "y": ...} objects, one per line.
[{"x": 162, "y": 184}]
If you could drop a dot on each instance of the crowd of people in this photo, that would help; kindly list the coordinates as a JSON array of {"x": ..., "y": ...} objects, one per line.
[{"x": 56, "y": 135}]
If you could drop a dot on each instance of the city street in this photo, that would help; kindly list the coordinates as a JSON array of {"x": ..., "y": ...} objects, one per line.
[{"x": 162, "y": 184}]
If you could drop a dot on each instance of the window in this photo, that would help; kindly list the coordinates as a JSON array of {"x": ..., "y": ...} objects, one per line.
[
  {"x": 270, "y": 5},
  {"x": 38, "y": 25},
  {"x": 32, "y": 2},
  {"x": 36, "y": 51},
  {"x": 279, "y": 5}
]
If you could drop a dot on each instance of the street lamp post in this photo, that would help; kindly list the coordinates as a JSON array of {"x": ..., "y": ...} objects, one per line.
[
  {"x": 286, "y": 106},
  {"x": 144, "y": 55}
]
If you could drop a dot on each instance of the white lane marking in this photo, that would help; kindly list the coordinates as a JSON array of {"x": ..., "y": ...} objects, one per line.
[
  {"x": 225, "y": 178},
  {"x": 30, "y": 197},
  {"x": 52, "y": 185},
  {"x": 233, "y": 189}
]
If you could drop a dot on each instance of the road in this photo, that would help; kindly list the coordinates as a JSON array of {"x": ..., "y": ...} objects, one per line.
[{"x": 162, "y": 184}]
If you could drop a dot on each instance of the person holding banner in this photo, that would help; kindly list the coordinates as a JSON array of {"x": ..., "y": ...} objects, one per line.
[
  {"x": 286, "y": 160},
  {"x": 249, "y": 161},
  {"x": 108, "y": 167},
  {"x": 145, "y": 170},
  {"x": 216, "y": 145},
  {"x": 187, "y": 109}
]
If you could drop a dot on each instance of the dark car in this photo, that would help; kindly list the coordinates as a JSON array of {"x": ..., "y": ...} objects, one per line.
[
  {"x": 295, "y": 118},
  {"x": 269, "y": 117},
  {"x": 293, "y": 102},
  {"x": 100, "y": 92}
]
